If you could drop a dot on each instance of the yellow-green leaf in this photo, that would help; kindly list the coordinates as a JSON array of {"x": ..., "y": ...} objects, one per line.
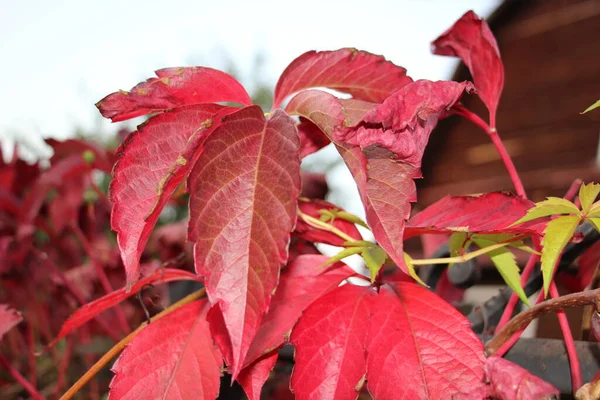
[
  {"x": 556, "y": 236},
  {"x": 595, "y": 222},
  {"x": 411, "y": 270},
  {"x": 350, "y": 251},
  {"x": 590, "y": 108},
  {"x": 551, "y": 206},
  {"x": 346, "y": 216},
  {"x": 456, "y": 244},
  {"x": 505, "y": 263},
  {"x": 587, "y": 195},
  {"x": 506, "y": 237},
  {"x": 594, "y": 210},
  {"x": 374, "y": 258}
]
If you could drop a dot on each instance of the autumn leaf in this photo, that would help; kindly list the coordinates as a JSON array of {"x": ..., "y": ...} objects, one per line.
[
  {"x": 174, "y": 87},
  {"x": 152, "y": 163},
  {"x": 92, "y": 309},
  {"x": 485, "y": 213},
  {"x": 556, "y": 236},
  {"x": 242, "y": 210},
  {"x": 173, "y": 357},
  {"x": 511, "y": 382},
  {"x": 471, "y": 39},
  {"x": 311, "y": 138},
  {"x": 253, "y": 377},
  {"x": 9, "y": 318},
  {"x": 364, "y": 75}
]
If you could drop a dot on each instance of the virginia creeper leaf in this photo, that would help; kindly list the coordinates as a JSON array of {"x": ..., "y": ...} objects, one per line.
[
  {"x": 153, "y": 162},
  {"x": 172, "y": 358},
  {"x": 556, "y": 236},
  {"x": 329, "y": 338},
  {"x": 551, "y": 206},
  {"x": 313, "y": 234},
  {"x": 9, "y": 318},
  {"x": 243, "y": 193},
  {"x": 412, "y": 329},
  {"x": 588, "y": 267},
  {"x": 92, "y": 309},
  {"x": 174, "y": 87},
  {"x": 411, "y": 270},
  {"x": 471, "y": 39},
  {"x": 592, "y": 107},
  {"x": 301, "y": 283},
  {"x": 511, "y": 382},
  {"x": 486, "y": 213},
  {"x": 364, "y": 75},
  {"x": 253, "y": 377},
  {"x": 595, "y": 222},
  {"x": 587, "y": 195},
  {"x": 505, "y": 263},
  {"x": 311, "y": 138},
  {"x": 374, "y": 259}
]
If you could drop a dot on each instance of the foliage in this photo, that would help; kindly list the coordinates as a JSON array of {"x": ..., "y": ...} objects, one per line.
[{"x": 254, "y": 232}]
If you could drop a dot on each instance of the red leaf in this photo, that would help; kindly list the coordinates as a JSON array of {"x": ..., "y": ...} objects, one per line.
[
  {"x": 311, "y": 138},
  {"x": 301, "y": 283},
  {"x": 307, "y": 232},
  {"x": 173, "y": 357},
  {"x": 471, "y": 39},
  {"x": 363, "y": 75},
  {"x": 588, "y": 267},
  {"x": 64, "y": 207},
  {"x": 9, "y": 318},
  {"x": 314, "y": 185},
  {"x": 153, "y": 162},
  {"x": 485, "y": 213},
  {"x": 412, "y": 329},
  {"x": 91, "y": 310},
  {"x": 64, "y": 149},
  {"x": 511, "y": 382},
  {"x": 174, "y": 87},
  {"x": 330, "y": 359},
  {"x": 242, "y": 210},
  {"x": 253, "y": 377}
]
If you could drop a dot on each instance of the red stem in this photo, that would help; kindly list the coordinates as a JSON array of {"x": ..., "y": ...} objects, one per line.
[
  {"x": 101, "y": 275},
  {"x": 576, "y": 378},
  {"x": 62, "y": 368},
  {"x": 30, "y": 337},
  {"x": 21, "y": 379}
]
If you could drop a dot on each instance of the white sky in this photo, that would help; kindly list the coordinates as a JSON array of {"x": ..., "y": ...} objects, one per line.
[{"x": 60, "y": 57}]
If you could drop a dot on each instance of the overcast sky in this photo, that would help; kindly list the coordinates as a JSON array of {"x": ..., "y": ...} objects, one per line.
[{"x": 60, "y": 57}]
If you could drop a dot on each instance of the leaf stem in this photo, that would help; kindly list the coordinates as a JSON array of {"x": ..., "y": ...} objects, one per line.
[
  {"x": 317, "y": 223},
  {"x": 493, "y": 134},
  {"x": 21, "y": 379},
  {"x": 461, "y": 258},
  {"x": 117, "y": 348}
]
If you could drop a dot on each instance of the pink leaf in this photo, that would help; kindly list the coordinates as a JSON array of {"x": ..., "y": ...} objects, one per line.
[
  {"x": 330, "y": 358},
  {"x": 253, "y": 377},
  {"x": 9, "y": 318},
  {"x": 301, "y": 283},
  {"x": 511, "y": 382},
  {"x": 363, "y": 75},
  {"x": 471, "y": 39},
  {"x": 412, "y": 329},
  {"x": 91, "y": 310},
  {"x": 173, "y": 357},
  {"x": 153, "y": 162},
  {"x": 485, "y": 213},
  {"x": 311, "y": 234},
  {"x": 174, "y": 87},
  {"x": 311, "y": 138},
  {"x": 242, "y": 209}
]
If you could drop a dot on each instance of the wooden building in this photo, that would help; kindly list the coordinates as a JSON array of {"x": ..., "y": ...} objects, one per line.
[{"x": 551, "y": 55}]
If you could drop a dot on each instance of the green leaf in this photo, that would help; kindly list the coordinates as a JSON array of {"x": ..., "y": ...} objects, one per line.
[
  {"x": 346, "y": 216},
  {"x": 556, "y": 236},
  {"x": 505, "y": 263},
  {"x": 594, "y": 210},
  {"x": 358, "y": 243},
  {"x": 350, "y": 251},
  {"x": 411, "y": 270},
  {"x": 456, "y": 243},
  {"x": 587, "y": 195},
  {"x": 506, "y": 237},
  {"x": 590, "y": 108},
  {"x": 595, "y": 222},
  {"x": 551, "y": 206},
  {"x": 374, "y": 258}
]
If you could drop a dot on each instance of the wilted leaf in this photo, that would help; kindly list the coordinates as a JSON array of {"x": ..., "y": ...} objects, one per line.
[
  {"x": 313, "y": 208},
  {"x": 551, "y": 206},
  {"x": 174, "y": 87},
  {"x": 556, "y": 236},
  {"x": 471, "y": 39},
  {"x": 330, "y": 359},
  {"x": 92, "y": 309},
  {"x": 253, "y": 377},
  {"x": 243, "y": 193},
  {"x": 509, "y": 381},
  {"x": 363, "y": 75},
  {"x": 9, "y": 318},
  {"x": 505, "y": 263},
  {"x": 173, "y": 357},
  {"x": 592, "y": 107},
  {"x": 587, "y": 195},
  {"x": 486, "y": 213},
  {"x": 153, "y": 162}
]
